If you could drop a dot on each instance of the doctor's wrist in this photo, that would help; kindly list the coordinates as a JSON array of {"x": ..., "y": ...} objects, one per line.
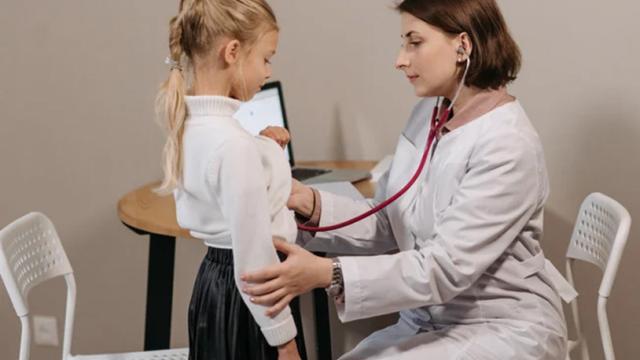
[{"x": 324, "y": 272}]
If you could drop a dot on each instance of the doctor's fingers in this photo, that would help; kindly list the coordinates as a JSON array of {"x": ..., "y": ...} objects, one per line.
[
  {"x": 266, "y": 274},
  {"x": 270, "y": 299},
  {"x": 276, "y": 309},
  {"x": 264, "y": 288}
]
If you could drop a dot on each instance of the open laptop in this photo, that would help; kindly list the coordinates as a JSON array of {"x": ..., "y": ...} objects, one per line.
[{"x": 267, "y": 109}]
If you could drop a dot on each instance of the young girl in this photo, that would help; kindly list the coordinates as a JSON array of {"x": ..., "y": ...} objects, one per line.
[{"x": 230, "y": 188}]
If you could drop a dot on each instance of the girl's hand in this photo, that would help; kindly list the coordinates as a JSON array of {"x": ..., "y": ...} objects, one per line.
[
  {"x": 288, "y": 351},
  {"x": 278, "y": 284},
  {"x": 278, "y": 134},
  {"x": 301, "y": 199}
]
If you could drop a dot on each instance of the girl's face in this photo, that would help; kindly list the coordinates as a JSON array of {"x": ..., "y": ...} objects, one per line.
[
  {"x": 255, "y": 67},
  {"x": 428, "y": 57}
]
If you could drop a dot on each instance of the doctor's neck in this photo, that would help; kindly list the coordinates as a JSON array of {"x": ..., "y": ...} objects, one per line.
[{"x": 466, "y": 93}]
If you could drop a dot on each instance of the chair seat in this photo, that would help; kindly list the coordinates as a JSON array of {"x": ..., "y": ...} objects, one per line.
[{"x": 172, "y": 354}]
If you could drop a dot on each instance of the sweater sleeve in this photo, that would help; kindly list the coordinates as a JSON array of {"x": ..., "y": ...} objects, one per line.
[
  {"x": 278, "y": 177},
  {"x": 238, "y": 180}
]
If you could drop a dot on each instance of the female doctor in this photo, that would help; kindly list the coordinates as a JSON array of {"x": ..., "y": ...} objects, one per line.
[{"x": 458, "y": 254}]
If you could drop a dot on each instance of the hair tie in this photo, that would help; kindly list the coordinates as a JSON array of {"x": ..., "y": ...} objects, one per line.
[{"x": 173, "y": 64}]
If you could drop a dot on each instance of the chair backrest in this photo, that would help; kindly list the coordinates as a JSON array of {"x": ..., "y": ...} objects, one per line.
[
  {"x": 30, "y": 253},
  {"x": 599, "y": 237}
]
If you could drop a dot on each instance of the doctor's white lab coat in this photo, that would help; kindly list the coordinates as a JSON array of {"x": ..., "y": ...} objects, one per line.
[{"x": 469, "y": 280}]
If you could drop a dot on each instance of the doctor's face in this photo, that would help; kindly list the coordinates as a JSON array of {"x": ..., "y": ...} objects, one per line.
[{"x": 428, "y": 57}]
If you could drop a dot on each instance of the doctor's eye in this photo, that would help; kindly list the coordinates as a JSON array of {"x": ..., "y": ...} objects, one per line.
[{"x": 411, "y": 44}]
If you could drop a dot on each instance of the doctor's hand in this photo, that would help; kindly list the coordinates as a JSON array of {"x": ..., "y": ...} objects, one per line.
[
  {"x": 301, "y": 199},
  {"x": 278, "y": 284},
  {"x": 278, "y": 134}
]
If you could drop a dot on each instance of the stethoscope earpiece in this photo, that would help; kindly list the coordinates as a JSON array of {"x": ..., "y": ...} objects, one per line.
[{"x": 462, "y": 55}]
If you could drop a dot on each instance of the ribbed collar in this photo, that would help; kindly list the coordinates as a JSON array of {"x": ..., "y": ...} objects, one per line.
[{"x": 221, "y": 106}]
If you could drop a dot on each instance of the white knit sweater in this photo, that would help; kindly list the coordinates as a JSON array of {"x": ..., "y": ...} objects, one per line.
[{"x": 233, "y": 196}]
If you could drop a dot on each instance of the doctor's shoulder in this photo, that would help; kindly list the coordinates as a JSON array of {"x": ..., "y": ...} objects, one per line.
[{"x": 507, "y": 136}]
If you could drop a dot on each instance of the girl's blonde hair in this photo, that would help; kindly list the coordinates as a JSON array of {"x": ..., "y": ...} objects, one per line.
[{"x": 195, "y": 32}]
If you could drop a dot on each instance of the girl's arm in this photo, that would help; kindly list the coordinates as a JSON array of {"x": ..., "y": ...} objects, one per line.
[{"x": 239, "y": 176}]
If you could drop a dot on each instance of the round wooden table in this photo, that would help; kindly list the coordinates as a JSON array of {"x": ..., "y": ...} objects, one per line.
[{"x": 147, "y": 213}]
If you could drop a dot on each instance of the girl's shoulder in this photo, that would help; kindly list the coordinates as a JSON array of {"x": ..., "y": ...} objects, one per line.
[
  {"x": 274, "y": 161},
  {"x": 272, "y": 154},
  {"x": 268, "y": 146}
]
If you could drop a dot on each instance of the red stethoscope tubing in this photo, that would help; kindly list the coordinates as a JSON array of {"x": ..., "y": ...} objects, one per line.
[{"x": 433, "y": 132}]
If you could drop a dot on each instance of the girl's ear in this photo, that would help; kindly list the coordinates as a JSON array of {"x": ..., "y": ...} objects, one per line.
[{"x": 232, "y": 52}]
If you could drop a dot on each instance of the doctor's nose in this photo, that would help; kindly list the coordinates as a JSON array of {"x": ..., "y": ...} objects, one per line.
[{"x": 401, "y": 61}]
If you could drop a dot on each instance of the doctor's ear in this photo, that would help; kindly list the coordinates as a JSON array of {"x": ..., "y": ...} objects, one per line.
[
  {"x": 231, "y": 52},
  {"x": 465, "y": 47}
]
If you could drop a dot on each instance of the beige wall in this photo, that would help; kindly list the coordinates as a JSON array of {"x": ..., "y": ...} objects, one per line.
[{"x": 78, "y": 81}]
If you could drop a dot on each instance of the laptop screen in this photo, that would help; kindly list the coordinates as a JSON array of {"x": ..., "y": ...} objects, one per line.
[{"x": 265, "y": 109}]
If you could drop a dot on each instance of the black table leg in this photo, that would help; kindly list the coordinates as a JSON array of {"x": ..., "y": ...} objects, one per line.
[
  {"x": 323, "y": 326},
  {"x": 157, "y": 334}
]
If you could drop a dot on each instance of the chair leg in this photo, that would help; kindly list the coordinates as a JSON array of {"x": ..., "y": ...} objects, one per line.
[
  {"x": 605, "y": 332},
  {"x": 25, "y": 339}
]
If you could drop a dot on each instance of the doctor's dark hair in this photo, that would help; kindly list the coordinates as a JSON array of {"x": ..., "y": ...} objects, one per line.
[
  {"x": 194, "y": 33},
  {"x": 495, "y": 59}
]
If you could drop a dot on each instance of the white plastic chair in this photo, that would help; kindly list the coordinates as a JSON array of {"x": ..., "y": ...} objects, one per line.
[
  {"x": 30, "y": 254},
  {"x": 599, "y": 237}
]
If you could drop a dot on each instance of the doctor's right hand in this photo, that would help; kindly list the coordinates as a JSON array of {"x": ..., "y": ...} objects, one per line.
[{"x": 301, "y": 199}]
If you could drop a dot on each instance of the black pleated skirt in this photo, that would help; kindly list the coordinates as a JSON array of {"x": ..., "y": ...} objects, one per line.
[{"x": 220, "y": 324}]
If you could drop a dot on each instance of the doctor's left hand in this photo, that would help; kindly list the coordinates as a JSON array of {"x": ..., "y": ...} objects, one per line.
[
  {"x": 277, "y": 134},
  {"x": 278, "y": 284}
]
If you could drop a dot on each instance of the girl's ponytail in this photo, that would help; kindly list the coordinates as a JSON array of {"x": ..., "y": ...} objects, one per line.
[{"x": 171, "y": 107}]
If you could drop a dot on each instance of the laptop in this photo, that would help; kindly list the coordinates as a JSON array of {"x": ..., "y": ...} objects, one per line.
[{"x": 267, "y": 109}]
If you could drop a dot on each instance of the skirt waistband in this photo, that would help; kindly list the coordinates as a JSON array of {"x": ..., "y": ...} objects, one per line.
[{"x": 220, "y": 256}]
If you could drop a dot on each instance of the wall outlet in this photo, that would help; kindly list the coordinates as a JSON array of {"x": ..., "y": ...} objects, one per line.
[{"x": 45, "y": 330}]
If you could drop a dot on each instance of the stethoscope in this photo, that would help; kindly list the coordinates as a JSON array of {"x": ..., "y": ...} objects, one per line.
[{"x": 437, "y": 122}]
